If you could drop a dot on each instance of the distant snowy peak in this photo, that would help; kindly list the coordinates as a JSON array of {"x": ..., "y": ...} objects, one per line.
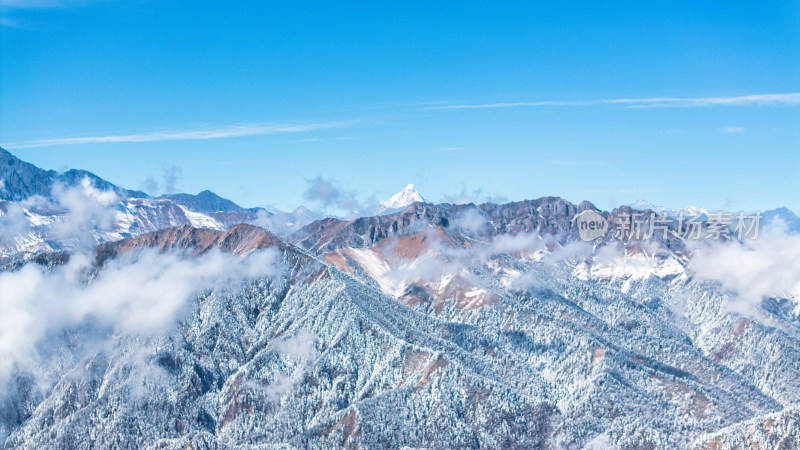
[
  {"x": 407, "y": 196},
  {"x": 206, "y": 201},
  {"x": 785, "y": 217},
  {"x": 644, "y": 205}
]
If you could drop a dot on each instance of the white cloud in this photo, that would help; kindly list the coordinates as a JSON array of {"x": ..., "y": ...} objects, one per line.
[
  {"x": 329, "y": 194},
  {"x": 653, "y": 102},
  {"x": 301, "y": 351},
  {"x": 600, "y": 442},
  {"x": 466, "y": 195},
  {"x": 300, "y": 347},
  {"x": 32, "y": 4},
  {"x": 142, "y": 293},
  {"x": 753, "y": 269},
  {"x": 88, "y": 210},
  {"x": 438, "y": 259},
  {"x": 733, "y": 130},
  {"x": 471, "y": 222},
  {"x": 81, "y": 215},
  {"x": 192, "y": 135},
  {"x": 14, "y": 221},
  {"x": 44, "y": 4},
  {"x": 625, "y": 191}
]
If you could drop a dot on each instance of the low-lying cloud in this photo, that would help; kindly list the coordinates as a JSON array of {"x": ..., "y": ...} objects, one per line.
[
  {"x": 73, "y": 216},
  {"x": 88, "y": 210},
  {"x": 143, "y": 292},
  {"x": 14, "y": 221},
  {"x": 300, "y": 350},
  {"x": 437, "y": 259},
  {"x": 753, "y": 269}
]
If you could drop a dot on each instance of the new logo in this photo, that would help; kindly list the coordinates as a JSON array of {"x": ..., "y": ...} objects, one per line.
[{"x": 591, "y": 225}]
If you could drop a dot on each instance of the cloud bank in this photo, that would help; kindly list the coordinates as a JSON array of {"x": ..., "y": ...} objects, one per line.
[
  {"x": 753, "y": 269},
  {"x": 142, "y": 293},
  {"x": 88, "y": 210}
]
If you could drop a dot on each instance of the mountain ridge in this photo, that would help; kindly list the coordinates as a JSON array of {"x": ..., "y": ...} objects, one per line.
[
  {"x": 436, "y": 325},
  {"x": 595, "y": 341}
]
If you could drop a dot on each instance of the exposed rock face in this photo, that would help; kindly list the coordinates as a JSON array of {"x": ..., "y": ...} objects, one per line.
[
  {"x": 547, "y": 215},
  {"x": 330, "y": 234},
  {"x": 240, "y": 239},
  {"x": 21, "y": 180}
]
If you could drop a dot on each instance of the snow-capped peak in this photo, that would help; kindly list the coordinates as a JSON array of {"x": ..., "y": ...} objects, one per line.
[
  {"x": 403, "y": 198},
  {"x": 642, "y": 205}
]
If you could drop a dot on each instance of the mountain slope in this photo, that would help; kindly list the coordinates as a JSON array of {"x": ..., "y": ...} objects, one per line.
[
  {"x": 321, "y": 356},
  {"x": 432, "y": 325},
  {"x": 21, "y": 180},
  {"x": 40, "y": 210}
]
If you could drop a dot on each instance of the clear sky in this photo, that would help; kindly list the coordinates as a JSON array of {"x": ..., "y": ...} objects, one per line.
[{"x": 489, "y": 100}]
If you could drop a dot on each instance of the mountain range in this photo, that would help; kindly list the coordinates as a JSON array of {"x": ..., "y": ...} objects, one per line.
[{"x": 186, "y": 321}]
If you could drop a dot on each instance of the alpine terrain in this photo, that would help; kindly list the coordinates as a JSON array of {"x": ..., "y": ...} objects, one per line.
[{"x": 187, "y": 321}]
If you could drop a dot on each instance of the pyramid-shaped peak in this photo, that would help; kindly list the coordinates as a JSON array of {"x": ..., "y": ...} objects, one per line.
[
  {"x": 410, "y": 189},
  {"x": 405, "y": 197}
]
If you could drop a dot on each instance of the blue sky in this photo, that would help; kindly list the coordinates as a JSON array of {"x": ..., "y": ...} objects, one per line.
[{"x": 676, "y": 102}]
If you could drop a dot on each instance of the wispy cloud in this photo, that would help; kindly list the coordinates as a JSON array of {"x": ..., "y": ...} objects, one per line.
[
  {"x": 329, "y": 194},
  {"x": 733, "y": 130},
  {"x": 653, "y": 102},
  {"x": 34, "y": 5},
  {"x": 6, "y": 22},
  {"x": 617, "y": 191},
  {"x": 333, "y": 139},
  {"x": 579, "y": 162},
  {"x": 190, "y": 135},
  {"x": 40, "y": 4},
  {"x": 477, "y": 195}
]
